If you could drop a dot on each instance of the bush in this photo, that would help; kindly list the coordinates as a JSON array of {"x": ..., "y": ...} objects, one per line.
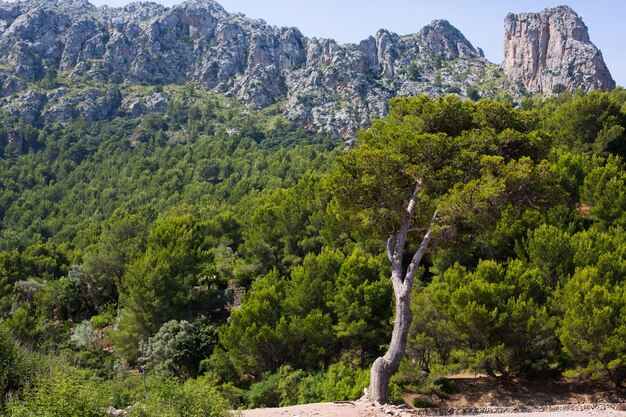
[
  {"x": 446, "y": 386},
  {"x": 340, "y": 382},
  {"x": 265, "y": 393},
  {"x": 16, "y": 367},
  {"x": 84, "y": 336},
  {"x": 166, "y": 398},
  {"x": 343, "y": 382},
  {"x": 419, "y": 403},
  {"x": 63, "y": 392},
  {"x": 472, "y": 93},
  {"x": 126, "y": 390},
  {"x": 179, "y": 347},
  {"x": 413, "y": 72}
]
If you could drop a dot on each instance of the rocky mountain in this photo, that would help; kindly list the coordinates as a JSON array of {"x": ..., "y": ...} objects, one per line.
[
  {"x": 62, "y": 59},
  {"x": 551, "y": 52}
]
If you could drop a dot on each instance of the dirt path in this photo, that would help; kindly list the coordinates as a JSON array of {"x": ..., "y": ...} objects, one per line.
[
  {"x": 307, "y": 410},
  {"x": 363, "y": 409}
]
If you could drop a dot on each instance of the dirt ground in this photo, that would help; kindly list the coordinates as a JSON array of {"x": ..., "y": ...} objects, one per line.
[
  {"x": 358, "y": 409},
  {"x": 479, "y": 397},
  {"x": 519, "y": 393}
]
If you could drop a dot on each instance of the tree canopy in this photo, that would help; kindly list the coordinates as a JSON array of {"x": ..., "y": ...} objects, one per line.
[{"x": 222, "y": 251}]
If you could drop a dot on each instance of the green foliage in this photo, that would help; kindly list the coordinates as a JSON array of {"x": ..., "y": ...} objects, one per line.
[
  {"x": 594, "y": 325},
  {"x": 549, "y": 250},
  {"x": 343, "y": 382},
  {"x": 589, "y": 122},
  {"x": 340, "y": 382},
  {"x": 65, "y": 298},
  {"x": 441, "y": 145},
  {"x": 362, "y": 304},
  {"x": 173, "y": 279},
  {"x": 131, "y": 230},
  {"x": 17, "y": 366},
  {"x": 178, "y": 348},
  {"x": 265, "y": 393},
  {"x": 472, "y": 93},
  {"x": 264, "y": 334},
  {"x": 413, "y": 72},
  {"x": 49, "y": 80},
  {"x": 419, "y": 403},
  {"x": 87, "y": 172},
  {"x": 438, "y": 63},
  {"x": 604, "y": 191},
  {"x": 194, "y": 398},
  {"x": 330, "y": 303},
  {"x": 105, "y": 261},
  {"x": 284, "y": 225},
  {"x": 64, "y": 392}
]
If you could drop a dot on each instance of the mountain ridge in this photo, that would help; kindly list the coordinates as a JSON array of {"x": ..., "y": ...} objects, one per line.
[{"x": 319, "y": 83}]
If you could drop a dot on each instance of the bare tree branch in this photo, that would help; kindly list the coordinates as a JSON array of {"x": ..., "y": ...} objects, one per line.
[
  {"x": 402, "y": 233},
  {"x": 417, "y": 257},
  {"x": 390, "y": 244}
]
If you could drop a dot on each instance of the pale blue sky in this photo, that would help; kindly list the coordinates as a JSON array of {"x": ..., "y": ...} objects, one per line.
[{"x": 481, "y": 21}]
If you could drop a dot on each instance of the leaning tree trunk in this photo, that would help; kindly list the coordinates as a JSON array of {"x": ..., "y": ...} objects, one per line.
[{"x": 385, "y": 366}]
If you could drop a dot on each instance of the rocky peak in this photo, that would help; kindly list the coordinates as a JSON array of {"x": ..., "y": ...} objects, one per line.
[
  {"x": 320, "y": 84},
  {"x": 551, "y": 51},
  {"x": 74, "y": 7},
  {"x": 443, "y": 38}
]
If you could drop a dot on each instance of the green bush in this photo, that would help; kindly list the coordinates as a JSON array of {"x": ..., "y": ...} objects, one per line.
[
  {"x": 63, "y": 392},
  {"x": 166, "y": 398},
  {"x": 179, "y": 347},
  {"x": 126, "y": 391},
  {"x": 446, "y": 386},
  {"x": 16, "y": 365},
  {"x": 413, "y": 72},
  {"x": 419, "y": 403},
  {"x": 472, "y": 93},
  {"x": 340, "y": 382},
  {"x": 265, "y": 393},
  {"x": 343, "y": 382}
]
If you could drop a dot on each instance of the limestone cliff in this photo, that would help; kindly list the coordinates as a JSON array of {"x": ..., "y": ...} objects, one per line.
[
  {"x": 101, "y": 51},
  {"x": 551, "y": 51}
]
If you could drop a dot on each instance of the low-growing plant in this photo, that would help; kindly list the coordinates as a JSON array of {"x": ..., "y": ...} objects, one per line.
[
  {"x": 168, "y": 398},
  {"x": 419, "y": 403},
  {"x": 63, "y": 392}
]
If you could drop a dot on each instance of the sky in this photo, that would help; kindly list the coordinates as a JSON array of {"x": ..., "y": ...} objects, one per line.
[{"x": 481, "y": 21}]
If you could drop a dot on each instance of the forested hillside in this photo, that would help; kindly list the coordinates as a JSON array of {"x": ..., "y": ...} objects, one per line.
[{"x": 126, "y": 246}]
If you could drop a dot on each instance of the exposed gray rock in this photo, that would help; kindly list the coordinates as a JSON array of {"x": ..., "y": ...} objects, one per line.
[
  {"x": 27, "y": 105},
  {"x": 10, "y": 84},
  {"x": 323, "y": 85},
  {"x": 551, "y": 51},
  {"x": 140, "y": 106}
]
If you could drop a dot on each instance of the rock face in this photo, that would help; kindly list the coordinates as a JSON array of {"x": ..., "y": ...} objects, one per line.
[
  {"x": 551, "y": 51},
  {"x": 317, "y": 82}
]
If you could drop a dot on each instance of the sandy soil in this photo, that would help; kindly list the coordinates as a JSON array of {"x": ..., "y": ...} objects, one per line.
[
  {"x": 307, "y": 410},
  {"x": 361, "y": 409},
  {"x": 480, "y": 396}
]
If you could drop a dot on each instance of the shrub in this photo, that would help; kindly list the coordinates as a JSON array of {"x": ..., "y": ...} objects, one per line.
[
  {"x": 472, "y": 93},
  {"x": 419, "y": 403},
  {"x": 179, "y": 347},
  {"x": 343, "y": 382},
  {"x": 446, "y": 386},
  {"x": 16, "y": 367},
  {"x": 84, "y": 335},
  {"x": 413, "y": 72},
  {"x": 265, "y": 393},
  {"x": 63, "y": 392},
  {"x": 167, "y": 398}
]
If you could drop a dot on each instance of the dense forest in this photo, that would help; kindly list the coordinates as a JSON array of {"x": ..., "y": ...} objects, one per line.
[{"x": 215, "y": 257}]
